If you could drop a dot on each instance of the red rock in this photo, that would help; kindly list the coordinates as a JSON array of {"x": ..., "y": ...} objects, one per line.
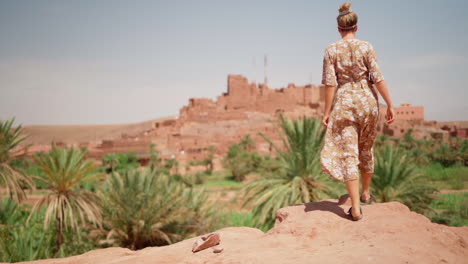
[{"x": 206, "y": 241}]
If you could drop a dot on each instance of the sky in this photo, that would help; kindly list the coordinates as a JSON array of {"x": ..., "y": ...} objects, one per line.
[{"x": 113, "y": 62}]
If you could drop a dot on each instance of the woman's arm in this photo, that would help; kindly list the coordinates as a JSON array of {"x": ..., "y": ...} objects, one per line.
[
  {"x": 382, "y": 88},
  {"x": 329, "y": 94},
  {"x": 377, "y": 78},
  {"x": 329, "y": 80}
]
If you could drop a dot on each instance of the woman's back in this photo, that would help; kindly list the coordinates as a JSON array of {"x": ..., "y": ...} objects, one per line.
[{"x": 350, "y": 60}]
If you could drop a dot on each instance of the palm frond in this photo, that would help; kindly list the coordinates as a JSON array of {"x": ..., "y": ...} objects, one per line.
[
  {"x": 396, "y": 179},
  {"x": 13, "y": 178}
]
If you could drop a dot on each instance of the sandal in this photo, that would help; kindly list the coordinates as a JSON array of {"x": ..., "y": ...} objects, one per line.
[
  {"x": 368, "y": 201},
  {"x": 352, "y": 216}
]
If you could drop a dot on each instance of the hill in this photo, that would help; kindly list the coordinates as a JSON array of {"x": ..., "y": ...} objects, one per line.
[{"x": 43, "y": 135}]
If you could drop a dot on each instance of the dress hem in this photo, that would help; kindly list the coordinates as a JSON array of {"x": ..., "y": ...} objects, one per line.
[{"x": 331, "y": 176}]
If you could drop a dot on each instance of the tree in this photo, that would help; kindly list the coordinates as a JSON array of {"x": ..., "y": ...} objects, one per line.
[
  {"x": 240, "y": 160},
  {"x": 298, "y": 178},
  {"x": 171, "y": 165},
  {"x": 452, "y": 152},
  {"x": 13, "y": 178},
  {"x": 382, "y": 139},
  {"x": 248, "y": 143},
  {"x": 141, "y": 208},
  {"x": 110, "y": 161},
  {"x": 65, "y": 170},
  {"x": 120, "y": 161},
  {"x": 396, "y": 179}
]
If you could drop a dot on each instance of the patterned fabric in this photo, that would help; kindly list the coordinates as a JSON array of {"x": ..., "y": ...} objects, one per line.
[{"x": 352, "y": 66}]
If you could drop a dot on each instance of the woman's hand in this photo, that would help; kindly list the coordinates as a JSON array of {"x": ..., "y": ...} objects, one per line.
[
  {"x": 325, "y": 120},
  {"x": 390, "y": 115},
  {"x": 329, "y": 94}
]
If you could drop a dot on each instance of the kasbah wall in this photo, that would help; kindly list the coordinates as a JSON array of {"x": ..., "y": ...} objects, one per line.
[{"x": 248, "y": 109}]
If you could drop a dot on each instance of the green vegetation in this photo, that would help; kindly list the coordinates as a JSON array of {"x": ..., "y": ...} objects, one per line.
[
  {"x": 120, "y": 161},
  {"x": 223, "y": 183},
  {"x": 22, "y": 240},
  {"x": 450, "y": 209},
  {"x": 453, "y": 177},
  {"x": 396, "y": 179},
  {"x": 234, "y": 218},
  {"x": 207, "y": 161},
  {"x": 240, "y": 159}
]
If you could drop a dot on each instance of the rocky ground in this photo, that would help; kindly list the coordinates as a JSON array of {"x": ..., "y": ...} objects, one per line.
[{"x": 316, "y": 232}]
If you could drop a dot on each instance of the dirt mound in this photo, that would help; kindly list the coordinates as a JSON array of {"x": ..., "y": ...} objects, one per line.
[{"x": 316, "y": 232}]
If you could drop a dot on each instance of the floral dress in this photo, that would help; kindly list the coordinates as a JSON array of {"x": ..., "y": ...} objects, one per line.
[{"x": 350, "y": 65}]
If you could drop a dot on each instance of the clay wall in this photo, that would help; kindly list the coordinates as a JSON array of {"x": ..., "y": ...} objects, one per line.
[
  {"x": 460, "y": 132},
  {"x": 405, "y": 112},
  {"x": 243, "y": 96}
]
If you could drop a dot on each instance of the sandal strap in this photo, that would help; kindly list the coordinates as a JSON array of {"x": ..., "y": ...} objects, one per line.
[
  {"x": 371, "y": 198},
  {"x": 352, "y": 216}
]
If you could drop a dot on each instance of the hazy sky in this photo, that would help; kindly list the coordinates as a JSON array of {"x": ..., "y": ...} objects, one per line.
[{"x": 104, "y": 62}]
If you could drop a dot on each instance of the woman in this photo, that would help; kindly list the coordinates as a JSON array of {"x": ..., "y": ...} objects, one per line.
[{"x": 351, "y": 70}]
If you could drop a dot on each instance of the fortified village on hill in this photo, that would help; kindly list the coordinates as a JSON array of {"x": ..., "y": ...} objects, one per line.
[{"x": 247, "y": 108}]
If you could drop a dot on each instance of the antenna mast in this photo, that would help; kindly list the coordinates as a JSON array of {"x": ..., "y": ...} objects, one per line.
[
  {"x": 265, "y": 60},
  {"x": 255, "y": 71}
]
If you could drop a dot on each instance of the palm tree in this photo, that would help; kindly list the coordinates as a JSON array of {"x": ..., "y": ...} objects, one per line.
[
  {"x": 11, "y": 177},
  {"x": 154, "y": 159},
  {"x": 171, "y": 165},
  {"x": 110, "y": 162},
  {"x": 299, "y": 178},
  {"x": 239, "y": 161},
  {"x": 65, "y": 170},
  {"x": 382, "y": 139},
  {"x": 208, "y": 161},
  {"x": 143, "y": 209},
  {"x": 247, "y": 143},
  {"x": 396, "y": 179}
]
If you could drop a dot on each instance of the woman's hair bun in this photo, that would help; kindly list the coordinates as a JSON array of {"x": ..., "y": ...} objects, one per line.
[
  {"x": 345, "y": 7},
  {"x": 346, "y": 19}
]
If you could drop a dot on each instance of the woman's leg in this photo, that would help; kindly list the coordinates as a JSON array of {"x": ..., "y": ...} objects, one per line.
[
  {"x": 366, "y": 181},
  {"x": 353, "y": 190}
]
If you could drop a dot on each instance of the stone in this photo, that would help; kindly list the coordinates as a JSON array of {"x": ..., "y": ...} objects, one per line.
[{"x": 206, "y": 241}]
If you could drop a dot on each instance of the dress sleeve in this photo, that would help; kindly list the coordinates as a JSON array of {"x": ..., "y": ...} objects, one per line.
[
  {"x": 328, "y": 73},
  {"x": 373, "y": 66}
]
